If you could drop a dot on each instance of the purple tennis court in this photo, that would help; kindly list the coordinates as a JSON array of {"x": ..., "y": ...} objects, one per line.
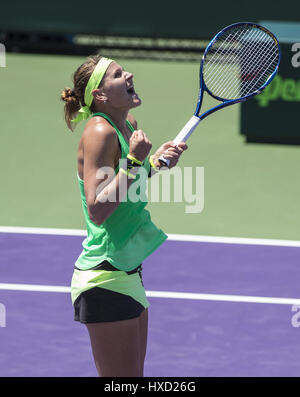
[{"x": 216, "y": 309}]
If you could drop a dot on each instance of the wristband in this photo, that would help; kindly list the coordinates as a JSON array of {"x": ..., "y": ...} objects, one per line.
[
  {"x": 152, "y": 164},
  {"x": 133, "y": 162},
  {"x": 127, "y": 173}
]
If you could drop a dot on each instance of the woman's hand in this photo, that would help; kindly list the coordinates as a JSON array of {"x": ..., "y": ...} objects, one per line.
[
  {"x": 169, "y": 151},
  {"x": 139, "y": 145}
]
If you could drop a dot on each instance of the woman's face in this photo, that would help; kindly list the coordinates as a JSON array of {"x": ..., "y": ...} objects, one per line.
[{"x": 118, "y": 88}]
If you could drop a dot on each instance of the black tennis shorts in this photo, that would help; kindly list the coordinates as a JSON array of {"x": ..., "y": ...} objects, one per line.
[{"x": 104, "y": 294}]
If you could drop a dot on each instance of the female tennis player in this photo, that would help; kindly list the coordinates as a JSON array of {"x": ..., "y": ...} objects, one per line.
[{"x": 107, "y": 289}]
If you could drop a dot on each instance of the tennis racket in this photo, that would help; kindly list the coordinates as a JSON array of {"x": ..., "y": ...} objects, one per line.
[{"x": 238, "y": 63}]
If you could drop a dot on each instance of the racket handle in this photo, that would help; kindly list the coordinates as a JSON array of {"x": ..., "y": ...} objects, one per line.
[
  {"x": 182, "y": 136},
  {"x": 164, "y": 162}
]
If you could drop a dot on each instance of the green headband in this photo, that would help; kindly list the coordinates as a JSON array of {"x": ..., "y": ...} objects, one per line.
[{"x": 93, "y": 83}]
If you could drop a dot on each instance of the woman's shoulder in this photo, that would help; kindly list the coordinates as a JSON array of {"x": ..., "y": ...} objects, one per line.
[{"x": 99, "y": 128}]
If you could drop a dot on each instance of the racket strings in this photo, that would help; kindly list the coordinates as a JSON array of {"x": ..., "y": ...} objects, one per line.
[
  {"x": 257, "y": 71},
  {"x": 252, "y": 54},
  {"x": 240, "y": 62},
  {"x": 261, "y": 77},
  {"x": 227, "y": 75},
  {"x": 224, "y": 52},
  {"x": 226, "y": 55},
  {"x": 219, "y": 55},
  {"x": 259, "y": 74},
  {"x": 269, "y": 57},
  {"x": 225, "y": 49},
  {"x": 249, "y": 72}
]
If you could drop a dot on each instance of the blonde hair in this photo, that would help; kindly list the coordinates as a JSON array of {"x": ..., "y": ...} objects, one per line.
[{"x": 74, "y": 97}]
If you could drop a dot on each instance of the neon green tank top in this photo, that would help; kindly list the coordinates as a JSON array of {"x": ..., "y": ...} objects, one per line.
[{"x": 128, "y": 235}]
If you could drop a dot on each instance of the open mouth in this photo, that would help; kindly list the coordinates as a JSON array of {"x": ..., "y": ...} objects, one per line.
[{"x": 130, "y": 90}]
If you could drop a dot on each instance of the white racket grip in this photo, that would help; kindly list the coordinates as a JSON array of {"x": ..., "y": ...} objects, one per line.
[
  {"x": 183, "y": 135},
  {"x": 187, "y": 130}
]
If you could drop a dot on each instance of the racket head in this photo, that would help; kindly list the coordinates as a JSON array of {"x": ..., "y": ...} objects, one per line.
[{"x": 239, "y": 62}]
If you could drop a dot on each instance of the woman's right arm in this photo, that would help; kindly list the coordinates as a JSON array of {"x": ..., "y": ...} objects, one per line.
[{"x": 103, "y": 189}]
